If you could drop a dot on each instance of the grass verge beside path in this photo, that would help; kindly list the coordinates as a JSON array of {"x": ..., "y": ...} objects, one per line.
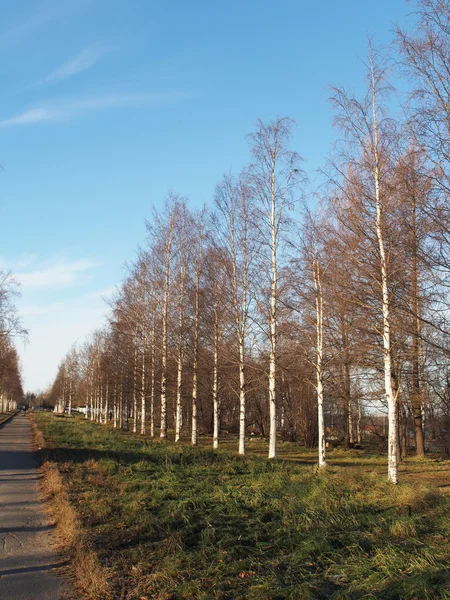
[
  {"x": 169, "y": 522},
  {"x": 84, "y": 572}
]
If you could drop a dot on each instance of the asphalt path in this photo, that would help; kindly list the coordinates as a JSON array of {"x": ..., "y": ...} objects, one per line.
[{"x": 28, "y": 560}]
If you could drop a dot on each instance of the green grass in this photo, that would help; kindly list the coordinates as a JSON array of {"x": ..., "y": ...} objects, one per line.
[{"x": 170, "y": 522}]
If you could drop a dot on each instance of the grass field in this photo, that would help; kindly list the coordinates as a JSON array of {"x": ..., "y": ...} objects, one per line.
[{"x": 170, "y": 522}]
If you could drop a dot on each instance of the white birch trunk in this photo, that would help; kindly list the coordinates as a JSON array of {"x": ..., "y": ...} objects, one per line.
[
  {"x": 358, "y": 422},
  {"x": 242, "y": 399},
  {"x": 97, "y": 403},
  {"x": 194, "y": 436},
  {"x": 143, "y": 398},
  {"x": 115, "y": 406},
  {"x": 163, "y": 431},
  {"x": 350, "y": 421},
  {"x": 240, "y": 308},
  {"x": 180, "y": 355},
  {"x": 319, "y": 364},
  {"x": 179, "y": 406},
  {"x": 152, "y": 385},
  {"x": 273, "y": 324},
  {"x": 390, "y": 397},
  {"x": 135, "y": 397},
  {"x": 121, "y": 403},
  {"x": 215, "y": 389},
  {"x": 70, "y": 395}
]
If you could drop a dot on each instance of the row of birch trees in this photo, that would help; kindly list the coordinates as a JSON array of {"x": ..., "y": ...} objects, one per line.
[{"x": 262, "y": 315}]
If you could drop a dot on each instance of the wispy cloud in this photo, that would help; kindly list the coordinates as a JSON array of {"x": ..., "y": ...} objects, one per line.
[
  {"x": 37, "y": 310},
  {"x": 68, "y": 110},
  {"x": 32, "y": 116},
  {"x": 18, "y": 263},
  {"x": 58, "y": 275},
  {"x": 49, "y": 11},
  {"x": 86, "y": 59}
]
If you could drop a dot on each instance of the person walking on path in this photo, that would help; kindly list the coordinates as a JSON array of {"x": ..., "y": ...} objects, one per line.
[{"x": 28, "y": 561}]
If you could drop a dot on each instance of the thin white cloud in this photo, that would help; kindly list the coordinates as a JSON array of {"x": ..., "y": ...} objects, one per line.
[
  {"x": 68, "y": 110},
  {"x": 49, "y": 11},
  {"x": 34, "y": 115},
  {"x": 35, "y": 310},
  {"x": 19, "y": 263},
  {"x": 59, "y": 275},
  {"x": 86, "y": 59}
]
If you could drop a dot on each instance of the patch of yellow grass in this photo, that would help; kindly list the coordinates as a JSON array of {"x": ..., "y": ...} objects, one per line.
[
  {"x": 86, "y": 573},
  {"x": 403, "y": 528}
]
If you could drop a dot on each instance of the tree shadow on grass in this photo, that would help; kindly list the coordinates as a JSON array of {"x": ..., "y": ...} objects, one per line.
[
  {"x": 427, "y": 584},
  {"x": 183, "y": 456}
]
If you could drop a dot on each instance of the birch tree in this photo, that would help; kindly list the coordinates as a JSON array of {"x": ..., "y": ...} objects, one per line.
[
  {"x": 217, "y": 301},
  {"x": 198, "y": 268},
  {"x": 182, "y": 250},
  {"x": 274, "y": 177},
  {"x": 234, "y": 202},
  {"x": 161, "y": 234},
  {"x": 316, "y": 263},
  {"x": 370, "y": 146},
  {"x": 306, "y": 299}
]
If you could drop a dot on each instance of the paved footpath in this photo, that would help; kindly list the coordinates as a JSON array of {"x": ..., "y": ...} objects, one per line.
[{"x": 28, "y": 562}]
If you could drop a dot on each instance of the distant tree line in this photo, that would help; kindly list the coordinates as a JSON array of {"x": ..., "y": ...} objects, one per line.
[{"x": 11, "y": 391}]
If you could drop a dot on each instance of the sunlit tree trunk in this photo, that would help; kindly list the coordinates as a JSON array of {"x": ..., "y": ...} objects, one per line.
[
  {"x": 391, "y": 400},
  {"x": 358, "y": 422},
  {"x": 143, "y": 397},
  {"x": 273, "y": 177},
  {"x": 135, "y": 385},
  {"x": 215, "y": 394},
  {"x": 121, "y": 401},
  {"x": 215, "y": 386},
  {"x": 115, "y": 406},
  {"x": 370, "y": 153},
  {"x": 180, "y": 351},
  {"x": 233, "y": 200},
  {"x": 152, "y": 380},
  {"x": 273, "y": 311},
  {"x": 319, "y": 362},
  {"x": 165, "y": 316},
  {"x": 70, "y": 393},
  {"x": 179, "y": 405},
  {"x": 198, "y": 274}
]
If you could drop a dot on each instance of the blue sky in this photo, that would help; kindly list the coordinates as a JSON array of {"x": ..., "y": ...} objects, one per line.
[{"x": 106, "y": 105}]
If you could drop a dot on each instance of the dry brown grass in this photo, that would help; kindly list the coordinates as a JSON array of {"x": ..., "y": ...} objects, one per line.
[
  {"x": 84, "y": 571},
  {"x": 38, "y": 438}
]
